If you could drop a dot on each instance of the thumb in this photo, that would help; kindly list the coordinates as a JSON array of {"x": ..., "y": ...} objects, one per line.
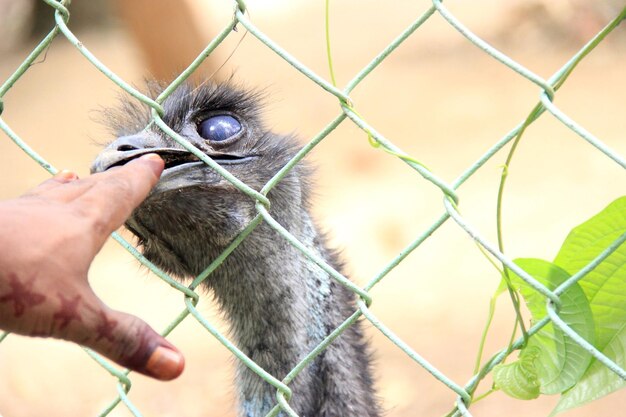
[{"x": 130, "y": 342}]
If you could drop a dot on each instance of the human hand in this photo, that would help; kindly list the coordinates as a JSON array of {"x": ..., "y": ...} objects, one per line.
[{"x": 48, "y": 239}]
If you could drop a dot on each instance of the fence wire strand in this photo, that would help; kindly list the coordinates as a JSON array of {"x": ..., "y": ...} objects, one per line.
[{"x": 347, "y": 111}]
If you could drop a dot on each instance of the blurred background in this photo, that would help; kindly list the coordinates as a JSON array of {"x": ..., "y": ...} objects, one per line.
[{"x": 439, "y": 98}]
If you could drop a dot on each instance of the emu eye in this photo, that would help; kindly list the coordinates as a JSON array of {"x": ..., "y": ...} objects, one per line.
[{"x": 219, "y": 128}]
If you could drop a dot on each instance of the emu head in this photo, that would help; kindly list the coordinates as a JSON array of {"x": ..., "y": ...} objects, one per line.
[{"x": 193, "y": 213}]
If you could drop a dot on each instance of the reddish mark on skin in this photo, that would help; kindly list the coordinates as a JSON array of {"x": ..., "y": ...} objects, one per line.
[
  {"x": 105, "y": 327},
  {"x": 21, "y": 295},
  {"x": 68, "y": 311}
]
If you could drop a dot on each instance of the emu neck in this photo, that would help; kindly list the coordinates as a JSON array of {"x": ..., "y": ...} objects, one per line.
[
  {"x": 281, "y": 306},
  {"x": 276, "y": 301}
]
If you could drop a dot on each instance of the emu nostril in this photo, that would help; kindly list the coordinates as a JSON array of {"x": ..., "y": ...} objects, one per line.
[{"x": 126, "y": 147}]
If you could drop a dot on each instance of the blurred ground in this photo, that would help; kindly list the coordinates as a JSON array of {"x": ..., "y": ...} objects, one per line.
[{"x": 437, "y": 97}]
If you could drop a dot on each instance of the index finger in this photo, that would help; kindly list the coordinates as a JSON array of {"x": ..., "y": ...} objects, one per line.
[{"x": 117, "y": 192}]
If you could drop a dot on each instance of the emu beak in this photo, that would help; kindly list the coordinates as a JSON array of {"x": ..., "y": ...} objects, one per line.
[
  {"x": 124, "y": 149},
  {"x": 127, "y": 148}
]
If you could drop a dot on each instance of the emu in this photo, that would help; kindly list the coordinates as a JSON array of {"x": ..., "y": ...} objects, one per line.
[{"x": 279, "y": 305}]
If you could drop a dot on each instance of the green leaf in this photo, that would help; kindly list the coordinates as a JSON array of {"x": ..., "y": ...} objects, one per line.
[
  {"x": 519, "y": 379},
  {"x": 597, "y": 381},
  {"x": 605, "y": 288},
  {"x": 561, "y": 362}
]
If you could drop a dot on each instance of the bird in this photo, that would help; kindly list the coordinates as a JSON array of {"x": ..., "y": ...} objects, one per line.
[{"x": 278, "y": 304}]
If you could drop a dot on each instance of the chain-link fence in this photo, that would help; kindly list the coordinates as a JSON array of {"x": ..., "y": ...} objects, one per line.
[{"x": 348, "y": 113}]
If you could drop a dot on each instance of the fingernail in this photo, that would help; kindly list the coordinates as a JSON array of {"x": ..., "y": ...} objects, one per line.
[
  {"x": 66, "y": 175},
  {"x": 165, "y": 364},
  {"x": 155, "y": 161}
]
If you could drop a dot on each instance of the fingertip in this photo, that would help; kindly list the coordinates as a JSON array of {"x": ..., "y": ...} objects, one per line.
[
  {"x": 132, "y": 343},
  {"x": 66, "y": 176},
  {"x": 154, "y": 161},
  {"x": 165, "y": 363}
]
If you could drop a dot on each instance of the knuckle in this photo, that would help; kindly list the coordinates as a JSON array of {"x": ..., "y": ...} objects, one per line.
[
  {"x": 103, "y": 208},
  {"x": 120, "y": 187},
  {"x": 99, "y": 224},
  {"x": 118, "y": 336},
  {"x": 129, "y": 334},
  {"x": 132, "y": 345},
  {"x": 94, "y": 218},
  {"x": 123, "y": 194}
]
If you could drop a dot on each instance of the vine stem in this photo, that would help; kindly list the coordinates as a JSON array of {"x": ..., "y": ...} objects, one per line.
[
  {"x": 328, "y": 54},
  {"x": 483, "y": 338},
  {"x": 370, "y": 137},
  {"x": 557, "y": 81}
]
